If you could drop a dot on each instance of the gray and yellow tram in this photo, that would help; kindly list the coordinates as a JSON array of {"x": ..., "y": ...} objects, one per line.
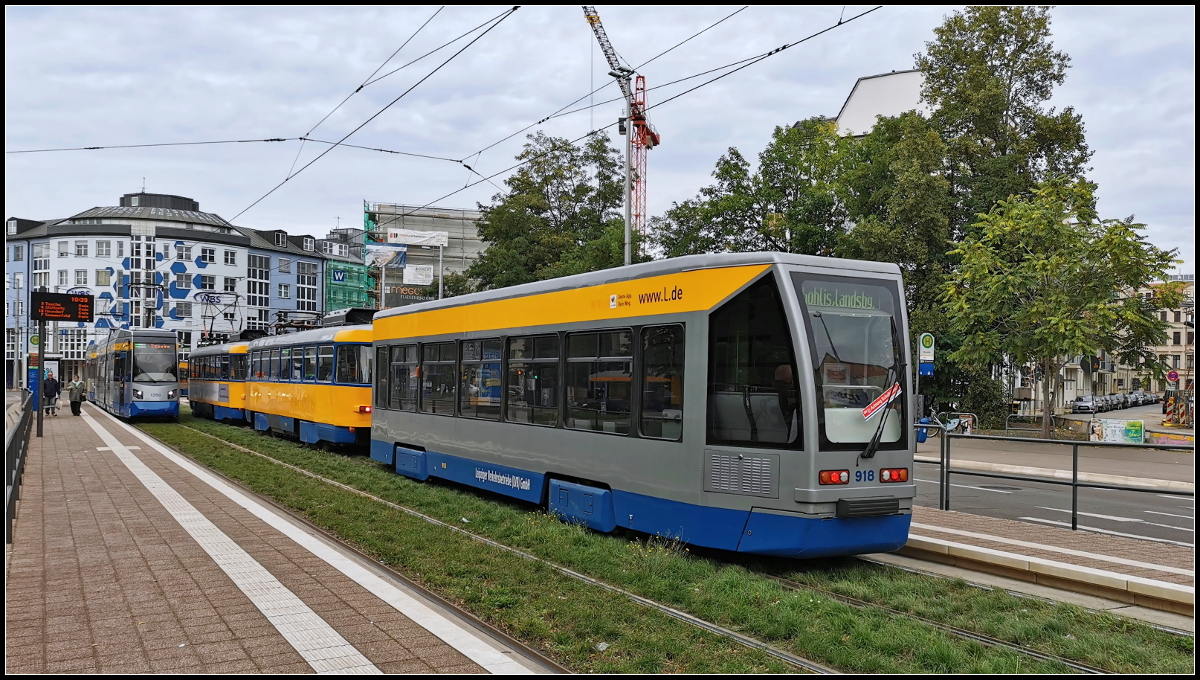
[{"x": 748, "y": 402}]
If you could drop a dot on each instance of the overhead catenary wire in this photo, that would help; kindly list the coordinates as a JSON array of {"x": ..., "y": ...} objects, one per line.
[
  {"x": 751, "y": 61},
  {"x": 145, "y": 146},
  {"x": 436, "y": 49},
  {"x": 500, "y": 19}
]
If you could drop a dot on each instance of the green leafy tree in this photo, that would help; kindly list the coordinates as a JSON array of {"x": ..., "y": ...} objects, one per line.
[
  {"x": 789, "y": 204},
  {"x": 988, "y": 74},
  {"x": 1043, "y": 279},
  {"x": 561, "y": 215}
]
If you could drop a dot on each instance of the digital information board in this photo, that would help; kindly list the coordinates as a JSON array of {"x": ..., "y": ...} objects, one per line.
[{"x": 60, "y": 307}]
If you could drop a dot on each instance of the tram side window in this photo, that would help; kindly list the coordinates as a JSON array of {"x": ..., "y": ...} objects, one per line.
[
  {"x": 237, "y": 366},
  {"x": 121, "y": 366},
  {"x": 662, "y": 382},
  {"x": 405, "y": 378},
  {"x": 354, "y": 364},
  {"x": 257, "y": 369},
  {"x": 225, "y": 367},
  {"x": 752, "y": 398},
  {"x": 310, "y": 363},
  {"x": 381, "y": 378},
  {"x": 285, "y": 364},
  {"x": 479, "y": 379},
  {"x": 273, "y": 367},
  {"x": 533, "y": 384},
  {"x": 438, "y": 378},
  {"x": 324, "y": 363},
  {"x": 297, "y": 363},
  {"x": 599, "y": 381}
]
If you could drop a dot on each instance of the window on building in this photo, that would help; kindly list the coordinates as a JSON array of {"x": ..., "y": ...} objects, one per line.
[
  {"x": 257, "y": 286},
  {"x": 63, "y": 280},
  {"x": 1175, "y": 360},
  {"x": 208, "y": 255},
  {"x": 18, "y": 280},
  {"x": 183, "y": 309},
  {"x": 208, "y": 282},
  {"x": 18, "y": 253},
  {"x": 12, "y": 227},
  {"x": 103, "y": 278},
  {"x": 533, "y": 385},
  {"x": 231, "y": 257},
  {"x": 120, "y": 249},
  {"x": 599, "y": 381},
  {"x": 135, "y": 314},
  {"x": 306, "y": 286},
  {"x": 1176, "y": 338},
  {"x": 309, "y": 244},
  {"x": 81, "y": 249},
  {"x": 1162, "y": 316},
  {"x": 103, "y": 248},
  {"x": 662, "y": 382},
  {"x": 439, "y": 378},
  {"x": 81, "y": 277},
  {"x": 1177, "y": 316},
  {"x": 280, "y": 239},
  {"x": 480, "y": 385},
  {"x": 285, "y": 265},
  {"x": 230, "y": 284},
  {"x": 64, "y": 248},
  {"x": 285, "y": 291},
  {"x": 183, "y": 280},
  {"x": 183, "y": 252}
]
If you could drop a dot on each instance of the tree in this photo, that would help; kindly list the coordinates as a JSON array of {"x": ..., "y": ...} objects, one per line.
[
  {"x": 790, "y": 204},
  {"x": 1043, "y": 279},
  {"x": 988, "y": 74},
  {"x": 560, "y": 216}
]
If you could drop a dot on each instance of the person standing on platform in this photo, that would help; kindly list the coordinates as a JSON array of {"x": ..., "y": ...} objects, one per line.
[
  {"x": 50, "y": 392},
  {"x": 75, "y": 392}
]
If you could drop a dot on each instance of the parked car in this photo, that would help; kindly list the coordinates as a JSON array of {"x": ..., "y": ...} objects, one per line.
[
  {"x": 1138, "y": 398},
  {"x": 1084, "y": 405}
]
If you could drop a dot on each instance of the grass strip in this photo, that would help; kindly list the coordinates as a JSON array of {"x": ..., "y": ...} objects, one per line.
[
  {"x": 732, "y": 595},
  {"x": 584, "y": 628}
]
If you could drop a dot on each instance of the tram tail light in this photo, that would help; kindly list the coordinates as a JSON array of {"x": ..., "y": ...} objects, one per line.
[
  {"x": 893, "y": 475},
  {"x": 835, "y": 476},
  {"x": 364, "y": 409}
]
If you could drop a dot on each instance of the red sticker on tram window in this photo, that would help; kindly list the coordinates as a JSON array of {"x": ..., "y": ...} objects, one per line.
[{"x": 881, "y": 401}]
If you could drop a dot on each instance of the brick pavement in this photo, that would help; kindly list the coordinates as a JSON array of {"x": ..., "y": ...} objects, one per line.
[
  {"x": 102, "y": 578},
  {"x": 1176, "y": 557}
]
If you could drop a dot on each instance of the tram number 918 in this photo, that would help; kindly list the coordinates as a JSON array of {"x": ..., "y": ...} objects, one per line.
[{"x": 864, "y": 475}]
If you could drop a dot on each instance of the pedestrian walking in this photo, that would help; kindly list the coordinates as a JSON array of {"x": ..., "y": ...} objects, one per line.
[
  {"x": 77, "y": 393},
  {"x": 50, "y": 392}
]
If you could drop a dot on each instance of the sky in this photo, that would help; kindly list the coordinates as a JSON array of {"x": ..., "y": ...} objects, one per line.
[{"x": 94, "y": 76}]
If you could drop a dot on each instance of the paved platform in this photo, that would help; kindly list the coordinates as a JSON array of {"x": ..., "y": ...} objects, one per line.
[
  {"x": 1129, "y": 570},
  {"x": 129, "y": 558}
]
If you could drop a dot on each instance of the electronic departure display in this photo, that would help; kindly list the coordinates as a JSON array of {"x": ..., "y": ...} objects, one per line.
[{"x": 61, "y": 307}]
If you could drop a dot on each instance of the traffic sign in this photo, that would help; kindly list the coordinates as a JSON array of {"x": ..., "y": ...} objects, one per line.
[
  {"x": 1173, "y": 376},
  {"x": 925, "y": 344}
]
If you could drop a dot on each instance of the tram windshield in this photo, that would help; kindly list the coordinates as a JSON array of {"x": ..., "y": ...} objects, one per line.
[
  {"x": 155, "y": 362},
  {"x": 851, "y": 330}
]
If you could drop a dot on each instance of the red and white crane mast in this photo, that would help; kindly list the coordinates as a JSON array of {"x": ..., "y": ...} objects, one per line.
[{"x": 640, "y": 136}]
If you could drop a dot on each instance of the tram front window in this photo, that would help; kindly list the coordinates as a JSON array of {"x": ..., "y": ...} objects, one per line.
[
  {"x": 155, "y": 362},
  {"x": 851, "y": 329}
]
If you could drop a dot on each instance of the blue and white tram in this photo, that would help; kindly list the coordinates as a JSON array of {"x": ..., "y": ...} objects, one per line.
[
  {"x": 750, "y": 402},
  {"x": 135, "y": 374}
]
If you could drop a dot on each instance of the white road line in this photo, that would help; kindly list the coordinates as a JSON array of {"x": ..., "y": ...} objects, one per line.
[
  {"x": 458, "y": 635},
  {"x": 1057, "y": 549},
  {"x": 1188, "y": 499},
  {"x": 320, "y": 645},
  {"x": 964, "y": 486},
  {"x": 1168, "y": 514},
  {"x": 1112, "y": 533},
  {"x": 1120, "y": 519}
]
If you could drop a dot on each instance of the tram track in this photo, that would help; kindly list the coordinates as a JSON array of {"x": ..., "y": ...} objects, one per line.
[{"x": 747, "y": 641}]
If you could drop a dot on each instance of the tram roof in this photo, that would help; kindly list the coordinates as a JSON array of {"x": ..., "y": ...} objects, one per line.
[
  {"x": 334, "y": 334},
  {"x": 643, "y": 270},
  {"x": 223, "y": 348}
]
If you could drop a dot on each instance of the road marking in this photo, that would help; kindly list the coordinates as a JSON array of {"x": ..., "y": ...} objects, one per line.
[
  {"x": 316, "y": 641},
  {"x": 1057, "y": 549},
  {"x": 1152, "y": 512},
  {"x": 1176, "y": 498},
  {"x": 458, "y": 635},
  {"x": 1113, "y": 533},
  {"x": 1119, "y": 519},
  {"x": 964, "y": 486}
]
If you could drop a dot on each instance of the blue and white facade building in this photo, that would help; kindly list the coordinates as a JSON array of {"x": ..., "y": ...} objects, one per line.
[{"x": 154, "y": 261}]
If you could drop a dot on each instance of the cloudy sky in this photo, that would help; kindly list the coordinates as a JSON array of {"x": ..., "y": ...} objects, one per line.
[{"x": 98, "y": 76}]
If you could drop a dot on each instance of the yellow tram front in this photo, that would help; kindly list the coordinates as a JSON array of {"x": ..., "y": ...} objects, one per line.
[{"x": 217, "y": 377}]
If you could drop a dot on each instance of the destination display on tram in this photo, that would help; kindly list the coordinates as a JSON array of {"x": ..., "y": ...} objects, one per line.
[{"x": 61, "y": 307}]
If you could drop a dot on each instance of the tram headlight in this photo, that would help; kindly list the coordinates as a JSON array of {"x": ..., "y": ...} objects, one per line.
[
  {"x": 835, "y": 476},
  {"x": 138, "y": 394},
  {"x": 170, "y": 394}
]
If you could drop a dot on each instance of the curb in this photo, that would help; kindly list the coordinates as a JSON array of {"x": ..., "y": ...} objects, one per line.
[
  {"x": 1172, "y": 597},
  {"x": 1050, "y": 473}
]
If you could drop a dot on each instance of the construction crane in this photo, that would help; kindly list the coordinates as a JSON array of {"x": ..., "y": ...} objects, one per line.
[{"x": 640, "y": 136}]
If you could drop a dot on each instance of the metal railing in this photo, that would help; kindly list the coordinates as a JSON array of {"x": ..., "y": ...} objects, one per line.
[
  {"x": 16, "y": 445},
  {"x": 1008, "y": 424},
  {"x": 945, "y": 469}
]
